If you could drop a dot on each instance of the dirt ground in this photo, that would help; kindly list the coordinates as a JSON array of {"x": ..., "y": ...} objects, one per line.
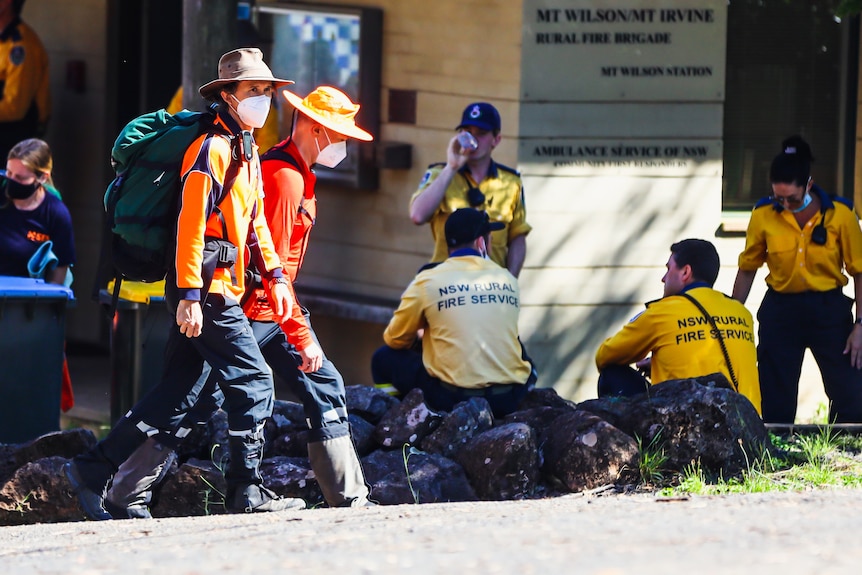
[{"x": 781, "y": 533}]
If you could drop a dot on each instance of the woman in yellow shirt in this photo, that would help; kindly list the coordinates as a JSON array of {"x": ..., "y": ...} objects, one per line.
[{"x": 807, "y": 239}]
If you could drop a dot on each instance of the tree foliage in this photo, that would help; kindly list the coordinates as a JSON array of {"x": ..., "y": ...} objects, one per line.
[{"x": 848, "y": 8}]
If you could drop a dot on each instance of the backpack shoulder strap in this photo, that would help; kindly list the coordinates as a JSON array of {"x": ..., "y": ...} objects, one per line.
[
  {"x": 718, "y": 336},
  {"x": 278, "y": 152},
  {"x": 253, "y": 276}
]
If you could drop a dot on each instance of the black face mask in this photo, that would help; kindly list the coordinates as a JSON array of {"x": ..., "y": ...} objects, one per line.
[{"x": 16, "y": 191}]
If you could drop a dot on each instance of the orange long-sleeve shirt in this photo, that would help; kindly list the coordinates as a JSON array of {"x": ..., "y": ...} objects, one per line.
[
  {"x": 205, "y": 165},
  {"x": 290, "y": 207}
]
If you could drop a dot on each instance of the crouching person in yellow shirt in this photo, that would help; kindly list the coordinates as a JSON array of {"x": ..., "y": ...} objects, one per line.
[
  {"x": 692, "y": 331},
  {"x": 468, "y": 308}
]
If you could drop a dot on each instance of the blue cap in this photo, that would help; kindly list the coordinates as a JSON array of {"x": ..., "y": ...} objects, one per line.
[{"x": 482, "y": 115}]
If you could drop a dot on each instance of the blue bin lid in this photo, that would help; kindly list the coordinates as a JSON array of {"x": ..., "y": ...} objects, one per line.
[{"x": 17, "y": 287}]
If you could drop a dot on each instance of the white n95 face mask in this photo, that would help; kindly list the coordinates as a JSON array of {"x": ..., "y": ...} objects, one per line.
[
  {"x": 254, "y": 110},
  {"x": 331, "y": 155}
]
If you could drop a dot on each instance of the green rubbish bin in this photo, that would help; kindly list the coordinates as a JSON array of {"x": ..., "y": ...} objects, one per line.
[
  {"x": 32, "y": 336},
  {"x": 139, "y": 334}
]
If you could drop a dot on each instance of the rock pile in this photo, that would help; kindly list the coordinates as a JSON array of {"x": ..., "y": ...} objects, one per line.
[{"x": 413, "y": 454}]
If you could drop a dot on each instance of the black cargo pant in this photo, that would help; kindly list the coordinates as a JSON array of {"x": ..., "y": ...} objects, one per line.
[
  {"x": 228, "y": 347},
  {"x": 821, "y": 322},
  {"x": 321, "y": 392}
]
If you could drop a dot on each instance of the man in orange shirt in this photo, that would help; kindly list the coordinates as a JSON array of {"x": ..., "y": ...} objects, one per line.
[
  {"x": 323, "y": 122},
  {"x": 211, "y": 329}
]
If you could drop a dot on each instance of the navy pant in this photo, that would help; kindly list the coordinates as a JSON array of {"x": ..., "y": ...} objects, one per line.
[
  {"x": 403, "y": 368},
  {"x": 621, "y": 381},
  {"x": 228, "y": 347},
  {"x": 321, "y": 392},
  {"x": 821, "y": 322}
]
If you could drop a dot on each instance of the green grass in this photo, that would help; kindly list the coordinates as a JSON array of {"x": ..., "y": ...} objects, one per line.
[
  {"x": 823, "y": 460},
  {"x": 651, "y": 460}
]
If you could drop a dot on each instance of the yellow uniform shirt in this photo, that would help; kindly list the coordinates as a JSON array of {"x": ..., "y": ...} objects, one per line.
[
  {"x": 504, "y": 202},
  {"x": 795, "y": 263},
  {"x": 24, "y": 79},
  {"x": 682, "y": 344},
  {"x": 468, "y": 307}
]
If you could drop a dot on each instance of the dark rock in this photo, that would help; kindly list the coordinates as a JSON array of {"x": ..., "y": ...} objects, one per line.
[
  {"x": 583, "y": 451},
  {"x": 502, "y": 463},
  {"x": 291, "y": 444},
  {"x": 611, "y": 409},
  {"x": 362, "y": 433},
  {"x": 38, "y": 493},
  {"x": 217, "y": 429},
  {"x": 433, "y": 478},
  {"x": 407, "y": 422},
  {"x": 544, "y": 397},
  {"x": 286, "y": 416},
  {"x": 697, "y": 422},
  {"x": 541, "y": 420},
  {"x": 197, "y": 488},
  {"x": 291, "y": 477},
  {"x": 197, "y": 444},
  {"x": 368, "y": 402},
  {"x": 65, "y": 444},
  {"x": 548, "y": 447},
  {"x": 466, "y": 420}
]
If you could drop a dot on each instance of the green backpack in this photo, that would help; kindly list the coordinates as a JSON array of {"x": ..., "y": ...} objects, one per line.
[{"x": 142, "y": 201}]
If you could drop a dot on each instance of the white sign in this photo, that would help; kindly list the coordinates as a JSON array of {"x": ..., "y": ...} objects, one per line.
[
  {"x": 574, "y": 157},
  {"x": 600, "y": 50}
]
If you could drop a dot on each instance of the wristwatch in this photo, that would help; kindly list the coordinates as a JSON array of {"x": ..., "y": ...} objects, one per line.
[{"x": 281, "y": 280}]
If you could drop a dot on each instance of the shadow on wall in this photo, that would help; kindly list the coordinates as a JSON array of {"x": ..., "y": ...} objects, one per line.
[{"x": 605, "y": 261}]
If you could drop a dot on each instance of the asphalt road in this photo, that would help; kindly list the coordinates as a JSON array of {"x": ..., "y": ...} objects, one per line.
[{"x": 781, "y": 533}]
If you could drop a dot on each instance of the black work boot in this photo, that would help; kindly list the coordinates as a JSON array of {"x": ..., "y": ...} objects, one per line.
[
  {"x": 257, "y": 498},
  {"x": 245, "y": 490},
  {"x": 89, "y": 481}
]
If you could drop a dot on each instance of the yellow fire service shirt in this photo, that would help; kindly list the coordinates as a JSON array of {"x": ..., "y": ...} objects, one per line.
[
  {"x": 469, "y": 309},
  {"x": 683, "y": 344},
  {"x": 504, "y": 202},
  {"x": 795, "y": 263}
]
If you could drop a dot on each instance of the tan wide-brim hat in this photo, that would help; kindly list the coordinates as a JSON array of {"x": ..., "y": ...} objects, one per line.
[
  {"x": 331, "y": 108},
  {"x": 238, "y": 65}
]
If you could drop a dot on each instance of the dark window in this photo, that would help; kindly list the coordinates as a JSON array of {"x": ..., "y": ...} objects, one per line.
[{"x": 786, "y": 64}]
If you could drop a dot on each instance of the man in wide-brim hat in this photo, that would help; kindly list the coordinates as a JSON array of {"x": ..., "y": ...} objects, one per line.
[
  {"x": 322, "y": 123},
  {"x": 220, "y": 168}
]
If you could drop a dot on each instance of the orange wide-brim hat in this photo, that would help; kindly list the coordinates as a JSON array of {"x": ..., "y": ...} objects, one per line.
[{"x": 331, "y": 108}]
